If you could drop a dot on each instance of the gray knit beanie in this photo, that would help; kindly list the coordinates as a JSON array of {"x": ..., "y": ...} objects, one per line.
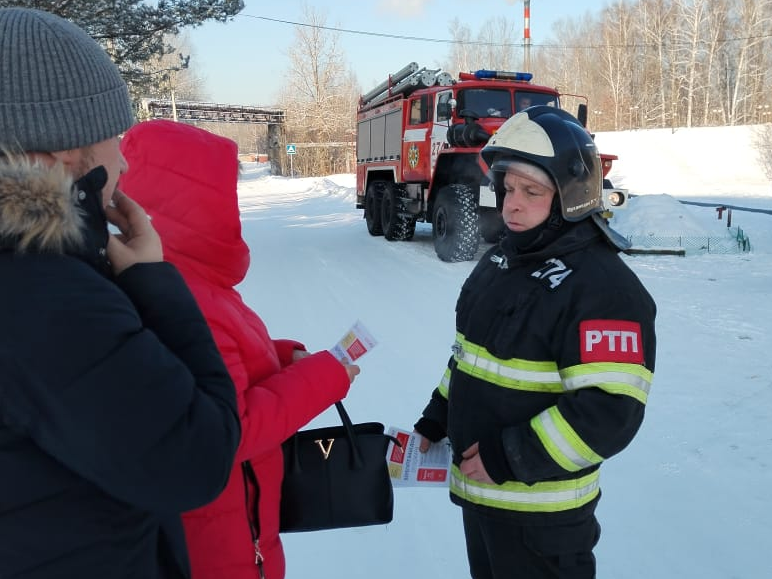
[{"x": 59, "y": 89}]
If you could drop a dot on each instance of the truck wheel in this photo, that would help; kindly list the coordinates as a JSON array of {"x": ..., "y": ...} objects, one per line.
[
  {"x": 396, "y": 225},
  {"x": 491, "y": 225},
  {"x": 373, "y": 197},
  {"x": 454, "y": 224}
]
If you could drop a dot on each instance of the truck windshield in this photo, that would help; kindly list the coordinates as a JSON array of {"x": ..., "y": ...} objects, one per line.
[
  {"x": 523, "y": 100},
  {"x": 485, "y": 102}
]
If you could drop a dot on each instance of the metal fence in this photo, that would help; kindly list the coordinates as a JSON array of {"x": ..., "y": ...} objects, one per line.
[{"x": 735, "y": 241}]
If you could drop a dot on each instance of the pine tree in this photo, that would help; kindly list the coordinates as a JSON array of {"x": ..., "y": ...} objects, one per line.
[{"x": 133, "y": 31}]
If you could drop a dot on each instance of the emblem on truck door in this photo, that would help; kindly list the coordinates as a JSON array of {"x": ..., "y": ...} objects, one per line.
[{"x": 413, "y": 156}]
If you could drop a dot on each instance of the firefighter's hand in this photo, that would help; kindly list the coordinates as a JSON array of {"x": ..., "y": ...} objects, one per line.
[
  {"x": 425, "y": 443},
  {"x": 430, "y": 432},
  {"x": 472, "y": 465}
]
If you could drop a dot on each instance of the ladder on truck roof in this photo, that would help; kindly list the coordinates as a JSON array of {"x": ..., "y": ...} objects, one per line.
[{"x": 404, "y": 82}]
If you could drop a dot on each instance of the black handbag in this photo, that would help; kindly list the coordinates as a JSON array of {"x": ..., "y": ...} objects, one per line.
[{"x": 336, "y": 477}]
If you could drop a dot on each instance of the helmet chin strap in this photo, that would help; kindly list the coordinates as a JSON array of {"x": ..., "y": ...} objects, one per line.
[{"x": 555, "y": 221}]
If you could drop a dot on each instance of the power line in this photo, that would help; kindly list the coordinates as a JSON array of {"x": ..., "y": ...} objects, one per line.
[
  {"x": 486, "y": 43},
  {"x": 383, "y": 34}
]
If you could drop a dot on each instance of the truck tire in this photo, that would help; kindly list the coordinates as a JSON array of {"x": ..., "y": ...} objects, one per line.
[
  {"x": 455, "y": 230},
  {"x": 373, "y": 197},
  {"x": 395, "y": 223},
  {"x": 491, "y": 225}
]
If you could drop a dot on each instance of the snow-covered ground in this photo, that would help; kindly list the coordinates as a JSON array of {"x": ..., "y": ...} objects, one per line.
[
  {"x": 689, "y": 498},
  {"x": 713, "y": 163}
]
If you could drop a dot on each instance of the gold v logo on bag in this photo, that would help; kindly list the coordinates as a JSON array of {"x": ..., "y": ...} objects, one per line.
[{"x": 325, "y": 450}]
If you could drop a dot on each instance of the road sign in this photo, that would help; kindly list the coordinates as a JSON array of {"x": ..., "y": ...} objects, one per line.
[{"x": 291, "y": 149}]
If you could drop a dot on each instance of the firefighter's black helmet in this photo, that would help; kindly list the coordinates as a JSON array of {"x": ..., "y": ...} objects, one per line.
[{"x": 555, "y": 141}]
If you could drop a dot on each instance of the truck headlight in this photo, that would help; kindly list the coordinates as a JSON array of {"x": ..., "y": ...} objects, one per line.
[{"x": 614, "y": 198}]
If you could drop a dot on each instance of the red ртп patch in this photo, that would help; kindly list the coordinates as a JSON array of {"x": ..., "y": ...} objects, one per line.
[{"x": 611, "y": 341}]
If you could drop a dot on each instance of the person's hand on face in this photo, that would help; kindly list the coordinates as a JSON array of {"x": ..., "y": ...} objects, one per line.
[{"x": 138, "y": 241}]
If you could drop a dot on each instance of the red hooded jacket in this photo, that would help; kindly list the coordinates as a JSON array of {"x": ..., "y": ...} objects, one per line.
[{"x": 186, "y": 180}]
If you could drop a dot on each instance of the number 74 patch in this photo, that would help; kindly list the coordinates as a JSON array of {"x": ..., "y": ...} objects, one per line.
[{"x": 553, "y": 272}]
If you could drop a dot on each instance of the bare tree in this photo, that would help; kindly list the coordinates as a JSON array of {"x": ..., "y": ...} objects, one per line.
[
  {"x": 133, "y": 31},
  {"x": 460, "y": 58},
  {"x": 715, "y": 33},
  {"x": 617, "y": 35},
  {"x": 758, "y": 83},
  {"x": 764, "y": 147},
  {"x": 692, "y": 15},
  {"x": 175, "y": 74},
  {"x": 320, "y": 98},
  {"x": 565, "y": 65},
  {"x": 746, "y": 65},
  {"x": 668, "y": 62},
  {"x": 655, "y": 23},
  {"x": 641, "y": 63},
  {"x": 496, "y": 47}
]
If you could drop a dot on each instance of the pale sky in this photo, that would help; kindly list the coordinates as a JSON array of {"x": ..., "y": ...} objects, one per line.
[{"x": 243, "y": 61}]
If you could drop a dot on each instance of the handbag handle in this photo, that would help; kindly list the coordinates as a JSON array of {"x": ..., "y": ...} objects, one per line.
[{"x": 356, "y": 454}]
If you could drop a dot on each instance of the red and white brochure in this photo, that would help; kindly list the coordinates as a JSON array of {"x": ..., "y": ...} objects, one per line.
[
  {"x": 354, "y": 344},
  {"x": 408, "y": 467}
]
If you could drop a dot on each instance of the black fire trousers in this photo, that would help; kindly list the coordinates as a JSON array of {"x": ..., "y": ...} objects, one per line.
[{"x": 497, "y": 548}]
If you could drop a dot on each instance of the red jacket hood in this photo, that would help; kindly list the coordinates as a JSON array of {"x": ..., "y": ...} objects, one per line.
[
  {"x": 197, "y": 216},
  {"x": 201, "y": 224}
]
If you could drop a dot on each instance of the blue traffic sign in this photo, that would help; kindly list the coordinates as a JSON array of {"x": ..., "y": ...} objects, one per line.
[{"x": 291, "y": 149}]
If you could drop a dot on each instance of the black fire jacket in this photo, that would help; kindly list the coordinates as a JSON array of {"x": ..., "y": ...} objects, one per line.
[{"x": 550, "y": 373}]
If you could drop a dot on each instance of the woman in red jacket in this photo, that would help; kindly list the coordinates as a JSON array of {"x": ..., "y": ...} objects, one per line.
[{"x": 186, "y": 180}]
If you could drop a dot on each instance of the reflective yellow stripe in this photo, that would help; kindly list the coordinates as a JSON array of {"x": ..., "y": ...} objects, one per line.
[
  {"x": 513, "y": 373},
  {"x": 445, "y": 383},
  {"x": 631, "y": 380},
  {"x": 562, "y": 442},
  {"x": 550, "y": 496}
]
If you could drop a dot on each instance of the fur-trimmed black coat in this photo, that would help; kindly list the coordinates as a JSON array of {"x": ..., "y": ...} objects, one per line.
[{"x": 116, "y": 411}]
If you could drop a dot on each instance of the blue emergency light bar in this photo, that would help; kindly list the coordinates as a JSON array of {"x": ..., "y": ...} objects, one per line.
[{"x": 503, "y": 75}]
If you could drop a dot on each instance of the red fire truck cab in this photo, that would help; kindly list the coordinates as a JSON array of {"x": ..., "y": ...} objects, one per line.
[{"x": 419, "y": 135}]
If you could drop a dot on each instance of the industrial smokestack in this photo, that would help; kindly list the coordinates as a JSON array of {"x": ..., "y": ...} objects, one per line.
[{"x": 527, "y": 35}]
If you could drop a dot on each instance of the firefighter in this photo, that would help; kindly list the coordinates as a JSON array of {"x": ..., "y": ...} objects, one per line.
[{"x": 552, "y": 361}]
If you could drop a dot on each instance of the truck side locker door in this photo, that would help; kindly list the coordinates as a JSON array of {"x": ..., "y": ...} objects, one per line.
[{"x": 416, "y": 150}]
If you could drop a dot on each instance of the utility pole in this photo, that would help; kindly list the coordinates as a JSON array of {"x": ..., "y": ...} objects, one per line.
[
  {"x": 527, "y": 36},
  {"x": 174, "y": 106},
  {"x": 172, "y": 80}
]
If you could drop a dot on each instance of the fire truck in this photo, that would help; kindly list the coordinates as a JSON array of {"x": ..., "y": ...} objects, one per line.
[{"x": 419, "y": 134}]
